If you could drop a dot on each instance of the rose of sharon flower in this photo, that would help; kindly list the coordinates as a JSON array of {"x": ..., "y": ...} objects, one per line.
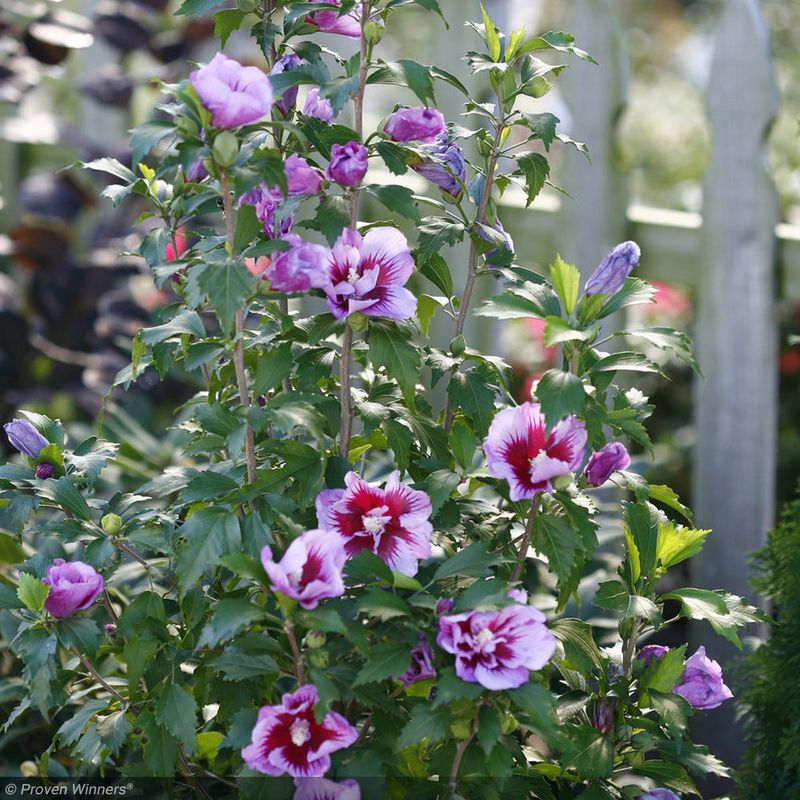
[
  {"x": 659, "y": 794},
  {"x": 614, "y": 268},
  {"x": 302, "y": 267},
  {"x": 324, "y": 789},
  {"x": 332, "y": 22},
  {"x": 318, "y": 107},
  {"x": 288, "y": 739},
  {"x": 497, "y": 649},
  {"x": 73, "y": 587},
  {"x": 519, "y": 449},
  {"x": 301, "y": 177},
  {"x": 421, "y": 124},
  {"x": 605, "y": 462},
  {"x": 286, "y": 63},
  {"x": 367, "y": 275},
  {"x": 393, "y": 522},
  {"x": 701, "y": 685},
  {"x": 444, "y": 165},
  {"x": 234, "y": 94},
  {"x": 310, "y": 570},
  {"x": 421, "y": 664},
  {"x": 348, "y": 164},
  {"x": 25, "y": 438},
  {"x": 652, "y": 651},
  {"x": 267, "y": 202}
]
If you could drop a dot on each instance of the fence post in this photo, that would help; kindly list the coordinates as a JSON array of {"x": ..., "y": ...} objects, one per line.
[
  {"x": 736, "y": 403},
  {"x": 594, "y": 218}
]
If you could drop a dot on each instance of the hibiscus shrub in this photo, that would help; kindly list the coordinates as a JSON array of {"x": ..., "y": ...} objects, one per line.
[{"x": 341, "y": 579}]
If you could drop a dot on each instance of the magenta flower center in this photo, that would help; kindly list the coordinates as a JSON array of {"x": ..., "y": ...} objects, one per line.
[{"x": 300, "y": 732}]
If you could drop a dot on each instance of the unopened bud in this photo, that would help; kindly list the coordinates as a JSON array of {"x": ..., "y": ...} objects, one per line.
[
  {"x": 44, "y": 471},
  {"x": 110, "y": 629},
  {"x": 563, "y": 481},
  {"x": 458, "y": 345},
  {"x": 315, "y": 640},
  {"x": 226, "y": 148},
  {"x": 443, "y": 606},
  {"x": 27, "y": 769},
  {"x": 373, "y": 32},
  {"x": 319, "y": 659},
  {"x": 111, "y": 524},
  {"x": 603, "y": 716}
]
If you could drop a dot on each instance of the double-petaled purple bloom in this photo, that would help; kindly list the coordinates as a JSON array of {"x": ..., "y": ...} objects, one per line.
[
  {"x": 497, "y": 649},
  {"x": 701, "y": 685},
  {"x": 659, "y": 794},
  {"x": 368, "y": 274},
  {"x": 310, "y": 570},
  {"x": 421, "y": 664},
  {"x": 420, "y": 124},
  {"x": 286, "y": 63},
  {"x": 73, "y": 587},
  {"x": 332, "y": 22},
  {"x": 25, "y": 438},
  {"x": 267, "y": 202},
  {"x": 393, "y": 522},
  {"x": 302, "y": 267},
  {"x": 348, "y": 164},
  {"x": 318, "y": 107},
  {"x": 614, "y": 268},
  {"x": 324, "y": 789},
  {"x": 288, "y": 739},
  {"x": 519, "y": 449},
  {"x": 605, "y": 462},
  {"x": 301, "y": 178},
  {"x": 652, "y": 651},
  {"x": 443, "y": 165},
  {"x": 234, "y": 94}
]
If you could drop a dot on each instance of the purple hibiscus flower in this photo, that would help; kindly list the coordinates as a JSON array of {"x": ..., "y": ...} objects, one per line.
[
  {"x": 318, "y": 107},
  {"x": 302, "y": 179},
  {"x": 444, "y": 165},
  {"x": 324, "y": 789},
  {"x": 421, "y": 664},
  {"x": 421, "y": 124},
  {"x": 234, "y": 94},
  {"x": 332, "y": 22},
  {"x": 25, "y": 438},
  {"x": 288, "y": 739},
  {"x": 519, "y": 449},
  {"x": 302, "y": 267},
  {"x": 393, "y": 522},
  {"x": 73, "y": 587},
  {"x": 613, "y": 269},
  {"x": 310, "y": 570},
  {"x": 348, "y": 164},
  {"x": 286, "y": 63},
  {"x": 367, "y": 275},
  {"x": 605, "y": 462},
  {"x": 497, "y": 649},
  {"x": 701, "y": 685},
  {"x": 267, "y": 202}
]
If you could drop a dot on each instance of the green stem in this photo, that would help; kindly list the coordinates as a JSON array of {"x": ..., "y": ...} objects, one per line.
[
  {"x": 525, "y": 541},
  {"x": 97, "y": 676},
  {"x": 462, "y": 748}
]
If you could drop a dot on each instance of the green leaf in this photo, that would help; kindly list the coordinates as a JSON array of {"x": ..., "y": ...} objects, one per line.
[
  {"x": 426, "y": 722},
  {"x": 642, "y": 522},
  {"x": 488, "y": 729},
  {"x": 555, "y": 538},
  {"x": 663, "y": 673},
  {"x": 64, "y": 493},
  {"x": 436, "y": 270},
  {"x": 612, "y": 595},
  {"x": 322, "y": 619},
  {"x": 668, "y": 339},
  {"x": 209, "y": 533},
  {"x": 114, "y": 730},
  {"x": 672, "y": 709},
  {"x": 492, "y": 36},
  {"x": 589, "y": 752},
  {"x": 554, "y": 40},
  {"x": 580, "y": 649},
  {"x": 560, "y": 394},
  {"x": 10, "y": 551},
  {"x": 439, "y": 485},
  {"x": 71, "y": 730},
  {"x": 558, "y": 331},
  {"x": 198, "y": 7},
  {"x": 386, "y": 660},
  {"x": 333, "y": 216},
  {"x": 383, "y": 604},
  {"x": 247, "y": 658},
  {"x": 227, "y": 286},
  {"x": 160, "y": 747},
  {"x": 226, "y": 22},
  {"x": 82, "y": 634},
  {"x": 392, "y": 349},
  {"x": 32, "y": 592},
  {"x": 529, "y": 300},
  {"x": 663, "y": 494},
  {"x": 396, "y": 198},
  {"x": 463, "y": 442},
  {"x": 471, "y": 392},
  {"x": 676, "y": 543},
  {"x": 176, "y": 710},
  {"x": 566, "y": 281},
  {"x": 394, "y": 156},
  {"x": 273, "y": 366},
  {"x": 624, "y": 362},
  {"x": 229, "y": 617},
  {"x": 542, "y": 127},
  {"x": 535, "y": 169},
  {"x": 450, "y": 687},
  {"x": 473, "y": 561},
  {"x": 409, "y": 74},
  {"x": 538, "y": 706},
  {"x": 185, "y": 322},
  {"x": 112, "y": 167},
  {"x": 434, "y": 233}
]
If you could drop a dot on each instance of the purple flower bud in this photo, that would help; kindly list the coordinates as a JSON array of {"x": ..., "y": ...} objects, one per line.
[
  {"x": 302, "y": 267},
  {"x": 234, "y": 94},
  {"x": 614, "y": 268},
  {"x": 415, "y": 124},
  {"x": 421, "y": 664},
  {"x": 701, "y": 685},
  {"x": 44, "y": 471},
  {"x": 333, "y": 22},
  {"x": 518, "y": 596},
  {"x": 659, "y": 794},
  {"x": 286, "y": 63},
  {"x": 25, "y": 438},
  {"x": 110, "y": 629},
  {"x": 348, "y": 164},
  {"x": 605, "y": 462},
  {"x": 261, "y": 400},
  {"x": 445, "y": 165},
  {"x": 615, "y": 671},
  {"x": 504, "y": 235},
  {"x": 603, "y": 715},
  {"x": 73, "y": 587},
  {"x": 318, "y": 107},
  {"x": 443, "y": 606},
  {"x": 652, "y": 651},
  {"x": 301, "y": 177},
  {"x": 267, "y": 202},
  {"x": 197, "y": 172}
]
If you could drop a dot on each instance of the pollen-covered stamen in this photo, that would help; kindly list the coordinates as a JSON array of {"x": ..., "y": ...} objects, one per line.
[
  {"x": 300, "y": 732},
  {"x": 352, "y": 275},
  {"x": 484, "y": 638},
  {"x": 295, "y": 578}
]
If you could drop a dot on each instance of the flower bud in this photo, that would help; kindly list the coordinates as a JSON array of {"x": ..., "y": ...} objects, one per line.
[
  {"x": 226, "y": 148},
  {"x": 563, "y": 481},
  {"x": 613, "y": 269},
  {"x": 348, "y": 164},
  {"x": 605, "y": 462},
  {"x": 315, "y": 640},
  {"x": 444, "y": 606},
  {"x": 603, "y": 716},
  {"x": 373, "y": 32},
  {"x": 110, "y": 630},
  {"x": 111, "y": 524},
  {"x": 458, "y": 345},
  {"x": 320, "y": 659},
  {"x": 25, "y": 438},
  {"x": 28, "y": 769},
  {"x": 44, "y": 471}
]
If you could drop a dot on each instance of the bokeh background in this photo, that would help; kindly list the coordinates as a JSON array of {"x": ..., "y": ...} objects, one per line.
[{"x": 76, "y": 75}]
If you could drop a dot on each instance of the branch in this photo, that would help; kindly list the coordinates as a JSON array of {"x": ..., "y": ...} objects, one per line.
[
  {"x": 462, "y": 747},
  {"x": 526, "y": 541},
  {"x": 96, "y": 675},
  {"x": 298, "y": 657}
]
